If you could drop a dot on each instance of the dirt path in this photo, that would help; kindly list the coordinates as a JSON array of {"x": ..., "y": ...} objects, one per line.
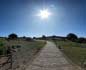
[{"x": 50, "y": 58}]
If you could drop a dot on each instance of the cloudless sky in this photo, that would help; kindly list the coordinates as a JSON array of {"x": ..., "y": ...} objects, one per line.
[{"x": 19, "y": 16}]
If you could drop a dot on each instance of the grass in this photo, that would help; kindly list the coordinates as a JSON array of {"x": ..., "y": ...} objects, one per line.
[
  {"x": 29, "y": 45},
  {"x": 74, "y": 51},
  {"x": 2, "y": 48},
  {"x": 24, "y": 54}
]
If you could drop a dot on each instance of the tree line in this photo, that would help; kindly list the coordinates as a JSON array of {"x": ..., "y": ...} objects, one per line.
[
  {"x": 75, "y": 38},
  {"x": 71, "y": 36}
]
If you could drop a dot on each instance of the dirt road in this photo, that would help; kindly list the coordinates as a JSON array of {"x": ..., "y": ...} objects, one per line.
[{"x": 50, "y": 58}]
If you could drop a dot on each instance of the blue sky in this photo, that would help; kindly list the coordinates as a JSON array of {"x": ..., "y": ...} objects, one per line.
[{"x": 18, "y": 16}]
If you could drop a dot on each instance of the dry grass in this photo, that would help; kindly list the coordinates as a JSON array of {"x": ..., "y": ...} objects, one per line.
[
  {"x": 25, "y": 53},
  {"x": 74, "y": 51}
]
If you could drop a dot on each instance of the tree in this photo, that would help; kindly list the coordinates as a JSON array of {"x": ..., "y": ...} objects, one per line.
[
  {"x": 43, "y": 37},
  {"x": 29, "y": 39},
  {"x": 54, "y": 36},
  {"x": 72, "y": 37},
  {"x": 12, "y": 36},
  {"x": 34, "y": 37}
]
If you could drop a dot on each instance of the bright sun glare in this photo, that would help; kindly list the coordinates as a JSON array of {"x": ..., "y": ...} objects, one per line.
[{"x": 44, "y": 14}]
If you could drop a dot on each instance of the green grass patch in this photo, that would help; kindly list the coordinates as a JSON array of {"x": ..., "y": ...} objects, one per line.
[
  {"x": 28, "y": 46},
  {"x": 2, "y": 48},
  {"x": 36, "y": 46},
  {"x": 74, "y": 51},
  {"x": 24, "y": 51}
]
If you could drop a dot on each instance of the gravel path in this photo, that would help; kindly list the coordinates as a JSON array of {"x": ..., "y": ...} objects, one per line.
[{"x": 50, "y": 58}]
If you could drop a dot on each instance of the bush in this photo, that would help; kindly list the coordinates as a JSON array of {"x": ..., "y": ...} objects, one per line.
[
  {"x": 54, "y": 36},
  {"x": 1, "y": 44},
  {"x": 43, "y": 37},
  {"x": 34, "y": 37},
  {"x": 12, "y": 36},
  {"x": 1, "y": 48},
  {"x": 16, "y": 46},
  {"x": 1, "y": 51},
  {"x": 72, "y": 37},
  {"x": 29, "y": 39},
  {"x": 81, "y": 40}
]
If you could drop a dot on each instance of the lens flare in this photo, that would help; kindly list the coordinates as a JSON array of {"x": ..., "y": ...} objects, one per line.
[{"x": 44, "y": 14}]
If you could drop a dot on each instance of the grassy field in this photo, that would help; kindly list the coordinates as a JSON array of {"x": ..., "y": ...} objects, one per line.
[
  {"x": 24, "y": 54},
  {"x": 75, "y": 51},
  {"x": 2, "y": 48},
  {"x": 37, "y": 45}
]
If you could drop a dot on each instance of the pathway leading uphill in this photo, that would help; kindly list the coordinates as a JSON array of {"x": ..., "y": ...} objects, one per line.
[{"x": 50, "y": 58}]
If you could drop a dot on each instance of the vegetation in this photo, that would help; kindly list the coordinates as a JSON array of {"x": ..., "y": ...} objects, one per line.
[
  {"x": 29, "y": 42},
  {"x": 29, "y": 39},
  {"x": 73, "y": 47},
  {"x": 44, "y": 37},
  {"x": 21, "y": 50},
  {"x": 13, "y": 36},
  {"x": 2, "y": 48},
  {"x": 81, "y": 40},
  {"x": 72, "y": 37},
  {"x": 75, "y": 51},
  {"x": 14, "y": 42}
]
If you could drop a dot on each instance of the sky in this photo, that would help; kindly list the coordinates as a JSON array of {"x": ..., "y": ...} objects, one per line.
[{"x": 19, "y": 16}]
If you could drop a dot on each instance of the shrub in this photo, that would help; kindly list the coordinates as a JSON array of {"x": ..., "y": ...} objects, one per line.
[
  {"x": 34, "y": 37},
  {"x": 12, "y": 36},
  {"x": 72, "y": 37},
  {"x": 43, "y": 37},
  {"x": 81, "y": 40},
  {"x": 1, "y": 48},
  {"x": 54, "y": 36},
  {"x": 29, "y": 39},
  {"x": 18, "y": 46}
]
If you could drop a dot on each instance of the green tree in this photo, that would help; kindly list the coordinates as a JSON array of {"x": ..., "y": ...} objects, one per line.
[
  {"x": 43, "y": 37},
  {"x": 72, "y": 37},
  {"x": 13, "y": 36}
]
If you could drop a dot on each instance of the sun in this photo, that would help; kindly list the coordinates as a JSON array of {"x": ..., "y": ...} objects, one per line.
[{"x": 44, "y": 14}]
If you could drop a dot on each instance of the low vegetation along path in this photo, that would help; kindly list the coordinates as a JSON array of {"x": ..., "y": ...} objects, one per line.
[{"x": 50, "y": 58}]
